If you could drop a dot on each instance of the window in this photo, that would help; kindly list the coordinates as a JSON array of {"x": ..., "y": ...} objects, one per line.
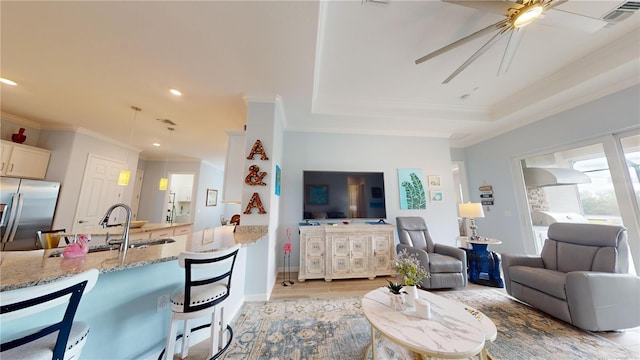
[
  {"x": 631, "y": 148},
  {"x": 612, "y": 197},
  {"x": 598, "y": 199}
]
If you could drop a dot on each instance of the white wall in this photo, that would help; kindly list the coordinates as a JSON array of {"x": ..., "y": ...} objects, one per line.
[
  {"x": 70, "y": 151},
  {"x": 490, "y": 162},
  {"x": 11, "y": 124},
  {"x": 152, "y": 200},
  {"x": 264, "y": 123},
  {"x": 207, "y": 216},
  {"x": 153, "y": 205},
  {"x": 321, "y": 151}
]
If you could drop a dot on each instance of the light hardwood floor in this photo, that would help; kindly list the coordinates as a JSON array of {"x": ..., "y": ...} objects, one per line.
[{"x": 358, "y": 287}]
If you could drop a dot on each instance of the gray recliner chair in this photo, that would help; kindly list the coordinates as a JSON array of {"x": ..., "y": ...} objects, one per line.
[
  {"x": 446, "y": 264},
  {"x": 581, "y": 277}
]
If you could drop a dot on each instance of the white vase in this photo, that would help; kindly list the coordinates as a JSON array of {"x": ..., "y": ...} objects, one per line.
[
  {"x": 412, "y": 295},
  {"x": 397, "y": 301}
]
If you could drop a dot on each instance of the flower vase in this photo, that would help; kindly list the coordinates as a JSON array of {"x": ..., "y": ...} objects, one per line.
[
  {"x": 397, "y": 301},
  {"x": 412, "y": 295}
]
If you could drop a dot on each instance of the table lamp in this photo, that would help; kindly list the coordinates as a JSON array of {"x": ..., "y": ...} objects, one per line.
[{"x": 471, "y": 211}]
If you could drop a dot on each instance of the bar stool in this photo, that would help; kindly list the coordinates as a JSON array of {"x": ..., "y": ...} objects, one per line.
[
  {"x": 44, "y": 343},
  {"x": 207, "y": 284}
]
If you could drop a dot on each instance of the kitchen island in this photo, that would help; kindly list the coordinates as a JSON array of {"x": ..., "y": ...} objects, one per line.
[{"x": 126, "y": 310}]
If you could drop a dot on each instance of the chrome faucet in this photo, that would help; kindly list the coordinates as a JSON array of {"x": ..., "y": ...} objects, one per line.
[{"x": 124, "y": 242}]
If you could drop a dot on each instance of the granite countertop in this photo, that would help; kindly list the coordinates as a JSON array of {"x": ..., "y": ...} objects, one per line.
[{"x": 21, "y": 269}]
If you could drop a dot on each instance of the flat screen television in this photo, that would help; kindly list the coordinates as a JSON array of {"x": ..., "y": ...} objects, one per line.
[{"x": 343, "y": 195}]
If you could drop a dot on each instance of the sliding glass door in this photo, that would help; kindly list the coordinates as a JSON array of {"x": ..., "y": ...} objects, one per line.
[{"x": 609, "y": 194}]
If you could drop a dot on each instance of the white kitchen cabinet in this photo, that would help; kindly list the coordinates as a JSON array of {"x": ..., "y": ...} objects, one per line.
[
  {"x": 234, "y": 168},
  {"x": 161, "y": 233},
  {"x": 182, "y": 230},
  {"x": 353, "y": 251},
  {"x": 183, "y": 194},
  {"x": 139, "y": 236},
  {"x": 23, "y": 161}
]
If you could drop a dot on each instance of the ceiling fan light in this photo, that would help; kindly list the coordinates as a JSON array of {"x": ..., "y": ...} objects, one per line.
[{"x": 527, "y": 15}]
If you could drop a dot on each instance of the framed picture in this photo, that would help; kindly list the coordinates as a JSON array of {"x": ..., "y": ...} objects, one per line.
[
  {"x": 411, "y": 189},
  {"x": 278, "y": 180},
  {"x": 434, "y": 180},
  {"x": 318, "y": 194},
  {"x": 212, "y": 197},
  {"x": 436, "y": 195}
]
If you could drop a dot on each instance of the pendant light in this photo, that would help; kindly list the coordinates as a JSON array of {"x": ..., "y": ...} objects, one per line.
[
  {"x": 164, "y": 181},
  {"x": 125, "y": 174}
]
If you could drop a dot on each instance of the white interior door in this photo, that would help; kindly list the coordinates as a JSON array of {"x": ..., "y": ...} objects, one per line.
[
  {"x": 99, "y": 191},
  {"x": 135, "y": 197}
]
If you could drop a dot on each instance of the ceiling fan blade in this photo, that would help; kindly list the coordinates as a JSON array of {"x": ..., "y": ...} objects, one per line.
[
  {"x": 498, "y": 7},
  {"x": 477, "y": 54},
  {"x": 499, "y": 25},
  {"x": 554, "y": 3},
  {"x": 564, "y": 19},
  {"x": 510, "y": 51}
]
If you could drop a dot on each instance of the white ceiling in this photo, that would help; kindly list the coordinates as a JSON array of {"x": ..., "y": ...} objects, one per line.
[{"x": 338, "y": 66}]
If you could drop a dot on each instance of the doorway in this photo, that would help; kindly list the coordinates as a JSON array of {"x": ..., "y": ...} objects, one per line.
[
  {"x": 179, "y": 199},
  {"x": 99, "y": 190}
]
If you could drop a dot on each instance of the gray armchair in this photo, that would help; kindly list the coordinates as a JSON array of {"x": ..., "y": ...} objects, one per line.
[
  {"x": 446, "y": 264},
  {"x": 581, "y": 277}
]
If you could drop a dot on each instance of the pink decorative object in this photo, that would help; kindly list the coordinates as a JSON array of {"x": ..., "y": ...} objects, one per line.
[
  {"x": 19, "y": 137},
  {"x": 287, "y": 248},
  {"x": 78, "y": 248}
]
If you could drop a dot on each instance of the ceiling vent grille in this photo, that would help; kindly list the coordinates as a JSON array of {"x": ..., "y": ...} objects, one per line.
[
  {"x": 622, "y": 12},
  {"x": 167, "y": 121}
]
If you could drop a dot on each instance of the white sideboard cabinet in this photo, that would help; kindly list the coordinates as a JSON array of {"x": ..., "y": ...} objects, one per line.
[
  {"x": 346, "y": 251},
  {"x": 23, "y": 161}
]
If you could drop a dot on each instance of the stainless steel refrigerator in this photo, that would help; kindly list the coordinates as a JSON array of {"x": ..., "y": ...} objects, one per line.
[{"x": 26, "y": 206}]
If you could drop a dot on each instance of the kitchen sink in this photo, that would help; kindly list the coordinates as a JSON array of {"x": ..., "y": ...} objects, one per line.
[
  {"x": 98, "y": 248},
  {"x": 136, "y": 245},
  {"x": 145, "y": 243}
]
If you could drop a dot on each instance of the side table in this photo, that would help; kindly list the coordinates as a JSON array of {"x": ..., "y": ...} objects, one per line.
[{"x": 484, "y": 265}]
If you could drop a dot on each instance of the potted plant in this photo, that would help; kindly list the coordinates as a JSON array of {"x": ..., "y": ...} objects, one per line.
[
  {"x": 410, "y": 270},
  {"x": 396, "y": 295}
]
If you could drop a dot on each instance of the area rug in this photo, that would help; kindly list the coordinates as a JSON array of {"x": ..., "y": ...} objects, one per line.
[{"x": 335, "y": 328}]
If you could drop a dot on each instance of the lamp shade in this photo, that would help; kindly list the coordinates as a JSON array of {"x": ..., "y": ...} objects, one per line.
[
  {"x": 124, "y": 177},
  {"x": 470, "y": 210},
  {"x": 164, "y": 182}
]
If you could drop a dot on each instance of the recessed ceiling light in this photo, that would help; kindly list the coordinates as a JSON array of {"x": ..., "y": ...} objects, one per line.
[
  {"x": 8, "y": 82},
  {"x": 156, "y": 144},
  {"x": 175, "y": 92}
]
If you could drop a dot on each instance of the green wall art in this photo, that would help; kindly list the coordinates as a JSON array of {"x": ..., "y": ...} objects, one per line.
[{"x": 412, "y": 194}]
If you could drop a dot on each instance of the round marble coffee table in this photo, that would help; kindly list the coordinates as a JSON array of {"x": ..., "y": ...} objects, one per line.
[{"x": 454, "y": 331}]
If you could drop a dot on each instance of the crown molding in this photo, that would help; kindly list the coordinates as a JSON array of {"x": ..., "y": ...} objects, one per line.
[{"x": 20, "y": 120}]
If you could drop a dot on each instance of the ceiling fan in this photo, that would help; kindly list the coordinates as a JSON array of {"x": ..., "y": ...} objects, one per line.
[{"x": 517, "y": 16}]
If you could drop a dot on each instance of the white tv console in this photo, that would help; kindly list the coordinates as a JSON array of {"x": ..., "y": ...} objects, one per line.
[{"x": 346, "y": 251}]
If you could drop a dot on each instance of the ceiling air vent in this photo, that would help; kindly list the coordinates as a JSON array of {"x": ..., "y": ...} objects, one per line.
[
  {"x": 622, "y": 12},
  {"x": 167, "y": 121}
]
